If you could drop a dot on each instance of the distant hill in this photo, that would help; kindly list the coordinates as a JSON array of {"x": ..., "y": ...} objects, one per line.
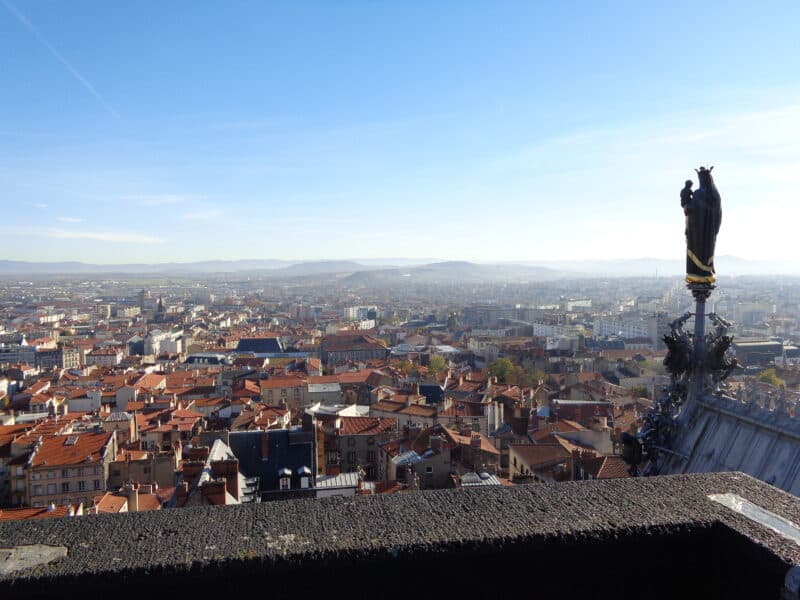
[
  {"x": 456, "y": 272},
  {"x": 322, "y": 267}
]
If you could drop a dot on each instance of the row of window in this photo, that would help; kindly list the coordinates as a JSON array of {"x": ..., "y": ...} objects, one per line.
[
  {"x": 65, "y": 473},
  {"x": 351, "y": 457},
  {"x": 85, "y": 501},
  {"x": 351, "y": 441},
  {"x": 66, "y": 487}
]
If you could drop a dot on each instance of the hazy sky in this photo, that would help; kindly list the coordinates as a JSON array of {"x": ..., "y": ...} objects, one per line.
[{"x": 161, "y": 131}]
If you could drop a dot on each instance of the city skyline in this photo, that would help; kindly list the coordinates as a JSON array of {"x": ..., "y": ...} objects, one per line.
[{"x": 511, "y": 133}]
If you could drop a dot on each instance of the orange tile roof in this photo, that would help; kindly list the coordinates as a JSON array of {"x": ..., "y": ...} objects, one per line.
[
  {"x": 367, "y": 425},
  {"x": 324, "y": 379},
  {"x": 15, "y": 514},
  {"x": 536, "y": 455},
  {"x": 419, "y": 410},
  {"x": 110, "y": 503},
  {"x": 281, "y": 383},
  {"x": 387, "y": 406},
  {"x": 55, "y": 451},
  {"x": 9, "y": 432},
  {"x": 353, "y": 376},
  {"x": 606, "y": 467},
  {"x": 466, "y": 440}
]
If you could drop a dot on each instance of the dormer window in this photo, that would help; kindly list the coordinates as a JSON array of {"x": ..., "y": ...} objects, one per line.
[
  {"x": 305, "y": 477},
  {"x": 285, "y": 479}
]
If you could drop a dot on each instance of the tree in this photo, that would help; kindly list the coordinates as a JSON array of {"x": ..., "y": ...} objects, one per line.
[
  {"x": 501, "y": 368},
  {"x": 437, "y": 363},
  {"x": 771, "y": 377}
]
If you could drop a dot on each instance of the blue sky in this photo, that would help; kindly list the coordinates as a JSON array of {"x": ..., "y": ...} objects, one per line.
[{"x": 179, "y": 131}]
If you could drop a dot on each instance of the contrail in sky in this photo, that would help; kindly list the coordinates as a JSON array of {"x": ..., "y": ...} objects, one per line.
[{"x": 81, "y": 79}]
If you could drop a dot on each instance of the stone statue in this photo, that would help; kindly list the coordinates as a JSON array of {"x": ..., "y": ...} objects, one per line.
[{"x": 703, "y": 217}]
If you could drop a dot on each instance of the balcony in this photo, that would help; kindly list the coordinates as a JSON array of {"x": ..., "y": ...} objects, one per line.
[{"x": 648, "y": 538}]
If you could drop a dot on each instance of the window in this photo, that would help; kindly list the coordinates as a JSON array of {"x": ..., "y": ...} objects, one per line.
[
  {"x": 51, "y": 488},
  {"x": 351, "y": 457},
  {"x": 305, "y": 482},
  {"x": 428, "y": 470},
  {"x": 286, "y": 483},
  {"x": 97, "y": 484},
  {"x": 64, "y": 487},
  {"x": 81, "y": 486},
  {"x": 65, "y": 472},
  {"x": 371, "y": 456},
  {"x": 37, "y": 490},
  {"x": 371, "y": 441},
  {"x": 51, "y": 475},
  {"x": 80, "y": 472}
]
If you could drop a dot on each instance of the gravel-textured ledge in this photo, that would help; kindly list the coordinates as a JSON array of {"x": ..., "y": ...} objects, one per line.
[{"x": 264, "y": 540}]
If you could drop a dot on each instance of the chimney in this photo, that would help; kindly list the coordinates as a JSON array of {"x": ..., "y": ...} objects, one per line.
[
  {"x": 412, "y": 481},
  {"x": 228, "y": 470},
  {"x": 436, "y": 443},
  {"x": 307, "y": 423},
  {"x": 265, "y": 445},
  {"x": 182, "y": 489},
  {"x": 71, "y": 511},
  {"x": 475, "y": 441},
  {"x": 214, "y": 492},
  {"x": 133, "y": 497}
]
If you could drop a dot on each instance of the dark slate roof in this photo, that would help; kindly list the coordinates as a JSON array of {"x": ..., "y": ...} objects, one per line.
[
  {"x": 259, "y": 345},
  {"x": 434, "y": 393},
  {"x": 613, "y": 530},
  {"x": 290, "y": 449}
]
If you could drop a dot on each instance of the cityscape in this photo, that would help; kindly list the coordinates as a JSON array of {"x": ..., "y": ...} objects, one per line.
[
  {"x": 124, "y": 393},
  {"x": 377, "y": 300}
]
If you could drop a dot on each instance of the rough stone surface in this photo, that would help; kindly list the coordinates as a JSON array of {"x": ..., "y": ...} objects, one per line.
[
  {"x": 532, "y": 522},
  {"x": 25, "y": 557}
]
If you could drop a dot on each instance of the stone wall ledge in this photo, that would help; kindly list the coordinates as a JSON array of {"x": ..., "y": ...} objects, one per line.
[{"x": 645, "y": 535}]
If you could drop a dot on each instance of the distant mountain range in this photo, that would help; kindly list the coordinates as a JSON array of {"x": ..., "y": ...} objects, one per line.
[
  {"x": 386, "y": 270},
  {"x": 655, "y": 267}
]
